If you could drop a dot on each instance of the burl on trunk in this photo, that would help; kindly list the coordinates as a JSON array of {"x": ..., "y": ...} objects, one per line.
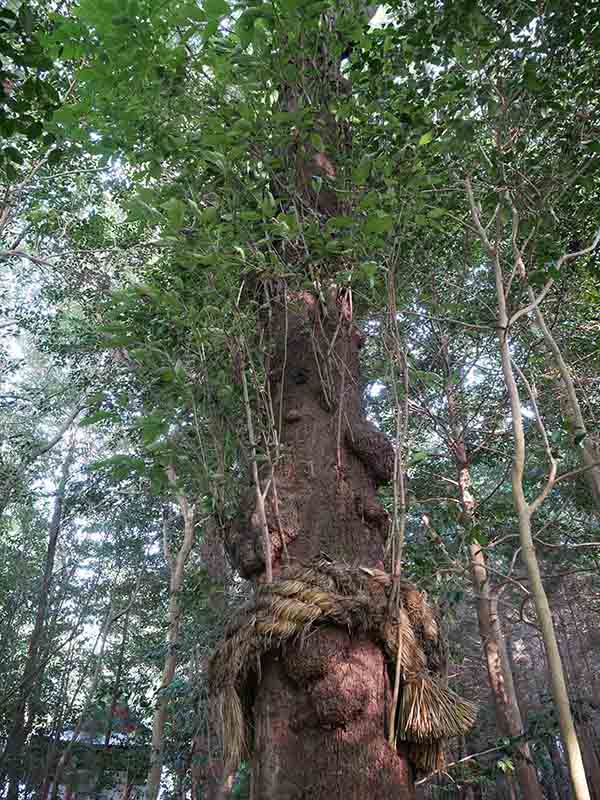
[{"x": 319, "y": 708}]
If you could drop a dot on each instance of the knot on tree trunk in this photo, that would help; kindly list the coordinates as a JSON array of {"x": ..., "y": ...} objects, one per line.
[
  {"x": 356, "y": 599},
  {"x": 373, "y": 448}
]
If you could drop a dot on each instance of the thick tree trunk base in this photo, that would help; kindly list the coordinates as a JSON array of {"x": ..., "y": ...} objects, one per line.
[
  {"x": 321, "y": 707},
  {"x": 322, "y": 734}
]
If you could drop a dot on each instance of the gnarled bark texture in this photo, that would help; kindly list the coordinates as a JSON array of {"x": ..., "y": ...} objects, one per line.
[{"x": 320, "y": 706}]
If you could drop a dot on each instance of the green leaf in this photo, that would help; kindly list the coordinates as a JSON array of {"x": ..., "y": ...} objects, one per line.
[
  {"x": 426, "y": 138},
  {"x": 11, "y": 172},
  {"x": 55, "y": 156},
  {"x": 175, "y": 211},
  {"x": 379, "y": 223},
  {"x": 317, "y": 142},
  {"x": 7, "y": 125},
  {"x": 436, "y": 213},
  {"x": 362, "y": 171},
  {"x": 245, "y": 26},
  {"x": 531, "y": 79},
  {"x": 505, "y": 765},
  {"x": 268, "y": 205},
  {"x": 35, "y": 130},
  {"x": 217, "y": 159},
  {"x": 338, "y": 223},
  {"x": 98, "y": 416},
  {"x": 215, "y": 8},
  {"x": 13, "y": 154}
]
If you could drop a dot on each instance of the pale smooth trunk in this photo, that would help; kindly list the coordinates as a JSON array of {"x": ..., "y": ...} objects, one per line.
[{"x": 177, "y": 570}]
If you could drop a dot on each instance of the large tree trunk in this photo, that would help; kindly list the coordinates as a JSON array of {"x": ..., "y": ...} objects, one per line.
[
  {"x": 325, "y": 738},
  {"x": 320, "y": 709}
]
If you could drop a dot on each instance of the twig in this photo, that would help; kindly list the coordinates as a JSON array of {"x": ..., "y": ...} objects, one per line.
[
  {"x": 40, "y": 262},
  {"x": 460, "y": 761},
  {"x": 260, "y": 497},
  {"x": 576, "y": 472},
  {"x": 564, "y": 259},
  {"x": 472, "y": 325},
  {"x": 572, "y": 545}
]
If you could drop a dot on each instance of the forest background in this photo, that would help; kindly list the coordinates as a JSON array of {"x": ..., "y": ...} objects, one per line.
[{"x": 180, "y": 182}]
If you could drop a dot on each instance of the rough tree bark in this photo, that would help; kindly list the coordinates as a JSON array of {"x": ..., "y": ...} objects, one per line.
[{"x": 320, "y": 710}]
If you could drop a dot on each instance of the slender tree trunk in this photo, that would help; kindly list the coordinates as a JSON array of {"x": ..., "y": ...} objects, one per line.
[
  {"x": 579, "y": 627},
  {"x": 589, "y": 450},
  {"x": 128, "y": 788},
  {"x": 590, "y": 758},
  {"x": 574, "y": 680},
  {"x": 500, "y": 677},
  {"x": 177, "y": 570},
  {"x": 580, "y": 671},
  {"x": 57, "y": 729},
  {"x": 552, "y": 787},
  {"x": 561, "y": 778},
  {"x": 34, "y": 667},
  {"x": 508, "y": 714},
  {"x": 117, "y": 684},
  {"x": 13, "y": 477},
  {"x": 65, "y": 757},
  {"x": 525, "y": 510},
  {"x": 113, "y": 702}
]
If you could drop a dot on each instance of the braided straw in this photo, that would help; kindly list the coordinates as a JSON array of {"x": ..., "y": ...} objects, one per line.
[{"x": 326, "y": 592}]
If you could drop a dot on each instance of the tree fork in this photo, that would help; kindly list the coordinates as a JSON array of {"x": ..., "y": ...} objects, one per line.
[{"x": 525, "y": 511}]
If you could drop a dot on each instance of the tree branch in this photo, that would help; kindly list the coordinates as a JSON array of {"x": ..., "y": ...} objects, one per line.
[{"x": 40, "y": 262}]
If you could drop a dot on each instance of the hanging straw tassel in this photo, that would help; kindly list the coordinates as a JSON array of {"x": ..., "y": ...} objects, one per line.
[{"x": 326, "y": 592}]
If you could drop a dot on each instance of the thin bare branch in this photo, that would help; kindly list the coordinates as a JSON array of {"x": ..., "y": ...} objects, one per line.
[
  {"x": 548, "y": 450},
  {"x": 475, "y": 214},
  {"x": 40, "y": 262},
  {"x": 564, "y": 259}
]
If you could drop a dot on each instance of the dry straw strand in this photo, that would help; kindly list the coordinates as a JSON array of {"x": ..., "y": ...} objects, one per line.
[{"x": 354, "y": 598}]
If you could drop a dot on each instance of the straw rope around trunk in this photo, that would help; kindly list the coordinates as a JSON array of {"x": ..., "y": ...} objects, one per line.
[{"x": 357, "y": 599}]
